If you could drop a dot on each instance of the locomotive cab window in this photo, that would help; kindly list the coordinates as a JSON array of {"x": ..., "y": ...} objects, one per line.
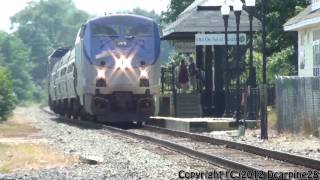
[
  {"x": 138, "y": 30},
  {"x": 106, "y": 30},
  {"x": 82, "y": 30}
]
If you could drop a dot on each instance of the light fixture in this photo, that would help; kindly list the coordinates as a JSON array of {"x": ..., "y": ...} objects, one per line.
[
  {"x": 144, "y": 74},
  {"x": 237, "y": 6},
  {"x": 225, "y": 9},
  {"x": 250, "y": 3},
  {"x": 123, "y": 63},
  {"x": 101, "y": 73},
  {"x": 101, "y": 77}
]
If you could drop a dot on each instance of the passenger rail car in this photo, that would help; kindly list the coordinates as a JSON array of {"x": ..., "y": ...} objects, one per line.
[{"x": 111, "y": 73}]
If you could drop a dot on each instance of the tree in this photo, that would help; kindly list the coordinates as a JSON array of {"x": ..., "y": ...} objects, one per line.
[
  {"x": 44, "y": 25},
  {"x": 14, "y": 56},
  {"x": 280, "y": 44},
  {"x": 6, "y": 94},
  {"x": 151, "y": 14},
  {"x": 174, "y": 9}
]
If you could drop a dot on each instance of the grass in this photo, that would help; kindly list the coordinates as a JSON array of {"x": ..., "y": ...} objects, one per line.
[
  {"x": 16, "y": 126},
  {"x": 15, "y": 130},
  {"x": 26, "y": 153},
  {"x": 15, "y": 157}
]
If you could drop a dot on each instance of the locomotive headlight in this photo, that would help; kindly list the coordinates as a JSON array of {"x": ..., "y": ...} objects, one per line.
[
  {"x": 144, "y": 74},
  {"x": 101, "y": 73},
  {"x": 101, "y": 77},
  {"x": 123, "y": 62},
  {"x": 144, "y": 77}
]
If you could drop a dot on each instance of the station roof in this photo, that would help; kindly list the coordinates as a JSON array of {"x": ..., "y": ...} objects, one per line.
[
  {"x": 307, "y": 17},
  {"x": 205, "y": 16}
]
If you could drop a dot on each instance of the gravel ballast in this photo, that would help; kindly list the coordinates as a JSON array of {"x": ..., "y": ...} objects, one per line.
[
  {"x": 301, "y": 145},
  {"x": 103, "y": 156}
]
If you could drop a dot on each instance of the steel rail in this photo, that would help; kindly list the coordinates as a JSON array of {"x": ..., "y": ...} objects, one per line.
[
  {"x": 282, "y": 156},
  {"x": 276, "y": 155},
  {"x": 225, "y": 163}
]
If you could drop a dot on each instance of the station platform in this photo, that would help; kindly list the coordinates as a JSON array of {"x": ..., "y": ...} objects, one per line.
[{"x": 199, "y": 124}]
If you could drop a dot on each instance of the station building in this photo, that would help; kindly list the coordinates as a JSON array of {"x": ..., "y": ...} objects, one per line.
[
  {"x": 307, "y": 24},
  {"x": 298, "y": 97}
]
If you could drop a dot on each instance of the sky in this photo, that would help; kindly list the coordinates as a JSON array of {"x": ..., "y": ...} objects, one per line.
[{"x": 94, "y": 7}]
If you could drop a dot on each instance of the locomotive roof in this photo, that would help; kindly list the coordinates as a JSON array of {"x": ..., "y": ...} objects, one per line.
[
  {"x": 119, "y": 15},
  {"x": 58, "y": 53}
]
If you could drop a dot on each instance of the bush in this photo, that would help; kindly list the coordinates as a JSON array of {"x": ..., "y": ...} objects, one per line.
[{"x": 7, "y": 97}]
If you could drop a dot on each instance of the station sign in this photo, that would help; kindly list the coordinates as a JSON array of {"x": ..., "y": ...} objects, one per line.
[{"x": 219, "y": 39}]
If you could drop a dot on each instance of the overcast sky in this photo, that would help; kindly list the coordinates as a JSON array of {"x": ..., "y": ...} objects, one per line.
[{"x": 95, "y": 7}]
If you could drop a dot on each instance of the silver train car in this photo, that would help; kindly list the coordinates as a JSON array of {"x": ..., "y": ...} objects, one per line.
[{"x": 112, "y": 73}]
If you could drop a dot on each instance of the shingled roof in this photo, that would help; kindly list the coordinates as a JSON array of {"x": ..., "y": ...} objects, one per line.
[
  {"x": 305, "y": 18},
  {"x": 205, "y": 16}
]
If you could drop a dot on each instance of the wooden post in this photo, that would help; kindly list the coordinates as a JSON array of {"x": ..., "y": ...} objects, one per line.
[{"x": 209, "y": 81}]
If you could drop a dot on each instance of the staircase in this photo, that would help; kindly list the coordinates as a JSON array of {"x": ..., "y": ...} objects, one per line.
[{"x": 188, "y": 105}]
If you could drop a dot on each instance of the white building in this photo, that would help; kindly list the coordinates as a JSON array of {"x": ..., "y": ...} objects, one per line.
[{"x": 307, "y": 23}]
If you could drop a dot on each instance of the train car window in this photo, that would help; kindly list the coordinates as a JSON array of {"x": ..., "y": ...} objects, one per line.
[
  {"x": 138, "y": 30},
  {"x": 70, "y": 68},
  {"x": 106, "y": 30},
  {"x": 63, "y": 71}
]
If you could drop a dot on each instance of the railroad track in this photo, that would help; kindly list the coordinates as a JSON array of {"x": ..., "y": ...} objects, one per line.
[{"x": 226, "y": 154}]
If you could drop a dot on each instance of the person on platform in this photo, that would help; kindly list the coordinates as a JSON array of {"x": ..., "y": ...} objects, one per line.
[
  {"x": 183, "y": 78},
  {"x": 193, "y": 74}
]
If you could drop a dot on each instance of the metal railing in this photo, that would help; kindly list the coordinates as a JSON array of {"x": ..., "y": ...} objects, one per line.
[{"x": 250, "y": 99}]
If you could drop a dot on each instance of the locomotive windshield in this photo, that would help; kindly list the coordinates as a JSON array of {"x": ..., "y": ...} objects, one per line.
[
  {"x": 106, "y": 30},
  {"x": 138, "y": 30},
  {"x": 129, "y": 36}
]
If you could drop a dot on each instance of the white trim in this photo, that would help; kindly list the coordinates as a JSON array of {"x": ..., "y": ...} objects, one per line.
[{"x": 302, "y": 24}]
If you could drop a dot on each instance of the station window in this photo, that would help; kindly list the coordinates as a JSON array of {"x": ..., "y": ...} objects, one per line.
[
  {"x": 316, "y": 53},
  {"x": 315, "y": 5},
  {"x": 302, "y": 39}
]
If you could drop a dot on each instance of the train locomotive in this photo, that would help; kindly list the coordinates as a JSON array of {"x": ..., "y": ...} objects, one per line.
[{"x": 111, "y": 74}]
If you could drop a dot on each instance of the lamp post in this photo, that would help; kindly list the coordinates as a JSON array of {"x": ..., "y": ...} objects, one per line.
[
  {"x": 225, "y": 11},
  {"x": 252, "y": 71},
  {"x": 237, "y": 7},
  {"x": 263, "y": 88}
]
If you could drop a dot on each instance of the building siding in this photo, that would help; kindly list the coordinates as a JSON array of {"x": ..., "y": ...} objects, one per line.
[{"x": 305, "y": 47}]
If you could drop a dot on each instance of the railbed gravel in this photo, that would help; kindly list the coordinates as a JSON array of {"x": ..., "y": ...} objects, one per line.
[
  {"x": 301, "y": 145},
  {"x": 117, "y": 157}
]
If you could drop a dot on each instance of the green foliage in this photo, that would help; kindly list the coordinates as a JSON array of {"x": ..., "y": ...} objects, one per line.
[
  {"x": 14, "y": 56},
  {"x": 174, "y": 9},
  {"x": 176, "y": 58},
  {"x": 280, "y": 63},
  {"x": 44, "y": 25},
  {"x": 6, "y": 94},
  {"x": 151, "y": 14},
  {"x": 278, "y": 13},
  {"x": 280, "y": 51}
]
